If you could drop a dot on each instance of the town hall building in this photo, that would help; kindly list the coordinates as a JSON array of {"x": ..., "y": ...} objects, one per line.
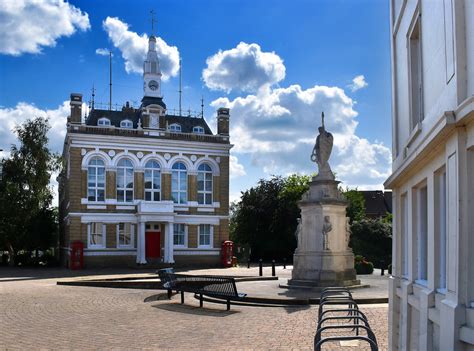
[{"x": 141, "y": 185}]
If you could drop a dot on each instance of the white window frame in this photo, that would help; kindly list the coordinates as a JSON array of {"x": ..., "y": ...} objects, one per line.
[
  {"x": 198, "y": 130},
  {"x": 203, "y": 191},
  {"x": 185, "y": 245},
  {"x": 126, "y": 123},
  {"x": 103, "y": 122},
  {"x": 415, "y": 68},
  {"x": 441, "y": 229},
  {"x": 96, "y": 188},
  {"x": 404, "y": 235},
  {"x": 124, "y": 189},
  {"x": 179, "y": 191},
  {"x": 89, "y": 233},
  {"x": 211, "y": 239},
  {"x": 175, "y": 128},
  {"x": 421, "y": 230},
  {"x": 152, "y": 190},
  {"x": 132, "y": 236}
]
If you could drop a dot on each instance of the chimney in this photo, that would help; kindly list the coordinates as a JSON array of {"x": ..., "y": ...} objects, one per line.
[
  {"x": 223, "y": 121},
  {"x": 76, "y": 108}
]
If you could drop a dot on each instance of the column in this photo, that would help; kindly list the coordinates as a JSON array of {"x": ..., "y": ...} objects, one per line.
[
  {"x": 169, "y": 258},
  {"x": 141, "y": 244}
]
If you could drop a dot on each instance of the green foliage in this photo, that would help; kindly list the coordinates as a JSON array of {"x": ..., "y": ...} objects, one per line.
[
  {"x": 26, "y": 220},
  {"x": 372, "y": 238},
  {"x": 265, "y": 217},
  {"x": 356, "y": 207},
  {"x": 364, "y": 267}
]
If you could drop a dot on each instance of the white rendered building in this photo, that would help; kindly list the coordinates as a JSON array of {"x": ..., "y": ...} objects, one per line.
[{"x": 432, "y": 287}]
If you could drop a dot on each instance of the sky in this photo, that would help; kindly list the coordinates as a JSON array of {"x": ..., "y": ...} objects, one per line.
[{"x": 276, "y": 64}]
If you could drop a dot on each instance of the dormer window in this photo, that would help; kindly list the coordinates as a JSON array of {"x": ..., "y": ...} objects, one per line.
[
  {"x": 103, "y": 122},
  {"x": 126, "y": 123},
  {"x": 175, "y": 128},
  {"x": 198, "y": 130}
]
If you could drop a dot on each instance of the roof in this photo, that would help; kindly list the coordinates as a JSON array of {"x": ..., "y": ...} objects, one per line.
[
  {"x": 377, "y": 202},
  {"x": 115, "y": 117}
]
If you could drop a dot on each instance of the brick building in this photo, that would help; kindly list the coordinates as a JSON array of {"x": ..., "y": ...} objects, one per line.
[{"x": 144, "y": 186}]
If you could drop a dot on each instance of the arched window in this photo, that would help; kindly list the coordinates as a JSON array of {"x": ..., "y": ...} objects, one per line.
[
  {"x": 152, "y": 181},
  {"x": 198, "y": 130},
  {"x": 204, "y": 184},
  {"x": 179, "y": 183},
  {"x": 96, "y": 180},
  {"x": 175, "y": 127},
  {"x": 126, "y": 123},
  {"x": 124, "y": 181},
  {"x": 103, "y": 122}
]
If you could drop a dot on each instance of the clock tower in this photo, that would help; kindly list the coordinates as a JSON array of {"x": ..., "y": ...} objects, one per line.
[{"x": 151, "y": 71}]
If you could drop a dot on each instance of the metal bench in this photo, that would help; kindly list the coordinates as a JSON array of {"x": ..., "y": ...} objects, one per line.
[{"x": 201, "y": 285}]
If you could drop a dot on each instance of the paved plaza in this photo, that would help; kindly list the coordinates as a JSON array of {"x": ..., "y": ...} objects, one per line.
[{"x": 35, "y": 313}]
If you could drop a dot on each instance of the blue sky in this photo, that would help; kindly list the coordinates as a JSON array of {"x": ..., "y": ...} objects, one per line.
[{"x": 296, "y": 59}]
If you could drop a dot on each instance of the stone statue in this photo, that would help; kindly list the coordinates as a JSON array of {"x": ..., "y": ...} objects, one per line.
[
  {"x": 348, "y": 231},
  {"x": 321, "y": 152},
  {"x": 327, "y": 227},
  {"x": 298, "y": 233}
]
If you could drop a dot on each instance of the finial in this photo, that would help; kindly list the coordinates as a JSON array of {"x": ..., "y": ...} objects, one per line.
[
  {"x": 202, "y": 106},
  {"x": 139, "y": 124},
  {"x": 152, "y": 15},
  {"x": 322, "y": 118}
]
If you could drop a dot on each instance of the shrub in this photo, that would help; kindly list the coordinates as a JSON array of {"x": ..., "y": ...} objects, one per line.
[{"x": 362, "y": 266}]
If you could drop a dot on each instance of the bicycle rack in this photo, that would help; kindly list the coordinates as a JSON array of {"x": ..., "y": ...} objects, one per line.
[{"x": 337, "y": 296}]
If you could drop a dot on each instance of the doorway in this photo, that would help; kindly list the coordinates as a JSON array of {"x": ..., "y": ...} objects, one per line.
[{"x": 152, "y": 241}]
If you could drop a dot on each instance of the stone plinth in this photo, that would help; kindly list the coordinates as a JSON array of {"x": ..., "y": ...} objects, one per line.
[{"x": 316, "y": 263}]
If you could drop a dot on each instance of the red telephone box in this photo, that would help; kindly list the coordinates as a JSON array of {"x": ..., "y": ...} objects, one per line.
[
  {"x": 77, "y": 255},
  {"x": 227, "y": 253}
]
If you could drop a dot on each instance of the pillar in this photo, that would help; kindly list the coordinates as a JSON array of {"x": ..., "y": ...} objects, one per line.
[
  {"x": 169, "y": 257},
  {"x": 141, "y": 259}
]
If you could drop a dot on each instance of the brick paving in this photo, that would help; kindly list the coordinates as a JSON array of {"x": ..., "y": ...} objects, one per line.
[{"x": 38, "y": 314}]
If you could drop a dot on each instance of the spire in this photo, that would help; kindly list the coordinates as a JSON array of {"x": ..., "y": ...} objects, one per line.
[
  {"x": 151, "y": 66},
  {"x": 153, "y": 21}
]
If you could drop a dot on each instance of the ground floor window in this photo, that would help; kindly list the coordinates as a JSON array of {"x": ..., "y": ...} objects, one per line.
[
  {"x": 96, "y": 235},
  {"x": 125, "y": 235},
  {"x": 179, "y": 234},
  {"x": 205, "y": 235}
]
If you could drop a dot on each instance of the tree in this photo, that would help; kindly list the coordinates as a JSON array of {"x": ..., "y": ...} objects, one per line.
[
  {"x": 356, "y": 207},
  {"x": 265, "y": 217},
  {"x": 25, "y": 195},
  {"x": 372, "y": 238}
]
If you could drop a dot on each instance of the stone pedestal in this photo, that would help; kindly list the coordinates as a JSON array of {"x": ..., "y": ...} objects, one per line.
[{"x": 318, "y": 263}]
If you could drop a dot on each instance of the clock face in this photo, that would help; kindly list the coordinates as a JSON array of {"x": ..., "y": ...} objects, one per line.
[{"x": 153, "y": 84}]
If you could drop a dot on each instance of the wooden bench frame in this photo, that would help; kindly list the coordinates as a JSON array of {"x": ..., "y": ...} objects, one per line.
[{"x": 203, "y": 285}]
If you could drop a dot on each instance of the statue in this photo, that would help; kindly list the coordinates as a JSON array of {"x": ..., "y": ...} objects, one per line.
[
  {"x": 298, "y": 233},
  {"x": 327, "y": 227},
  {"x": 321, "y": 152}
]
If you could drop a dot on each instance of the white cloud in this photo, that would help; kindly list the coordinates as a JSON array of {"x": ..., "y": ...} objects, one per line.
[
  {"x": 28, "y": 26},
  {"x": 244, "y": 68},
  {"x": 134, "y": 48},
  {"x": 358, "y": 83},
  {"x": 278, "y": 128},
  {"x": 236, "y": 169},
  {"x": 102, "y": 52}
]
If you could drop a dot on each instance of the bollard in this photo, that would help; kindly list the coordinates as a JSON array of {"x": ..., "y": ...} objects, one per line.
[
  {"x": 382, "y": 264},
  {"x": 284, "y": 263},
  {"x": 273, "y": 268},
  {"x": 248, "y": 263},
  {"x": 260, "y": 268}
]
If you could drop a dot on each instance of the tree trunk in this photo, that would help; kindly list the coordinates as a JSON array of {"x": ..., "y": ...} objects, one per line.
[{"x": 11, "y": 254}]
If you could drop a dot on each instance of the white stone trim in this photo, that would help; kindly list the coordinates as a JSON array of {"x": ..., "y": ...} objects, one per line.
[
  {"x": 95, "y": 153},
  {"x": 205, "y": 209},
  {"x": 197, "y": 252},
  {"x": 124, "y": 207},
  {"x": 185, "y": 246},
  {"x": 155, "y": 157},
  {"x": 129, "y": 155},
  {"x": 109, "y": 252},
  {"x": 211, "y": 162},
  {"x": 96, "y": 207},
  {"x": 211, "y": 235},
  {"x": 132, "y": 236},
  {"x": 104, "y": 234}
]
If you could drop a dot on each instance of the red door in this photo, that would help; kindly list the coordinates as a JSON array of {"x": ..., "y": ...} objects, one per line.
[{"x": 152, "y": 244}]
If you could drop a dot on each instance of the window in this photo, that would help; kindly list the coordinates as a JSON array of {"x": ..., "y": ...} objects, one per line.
[
  {"x": 96, "y": 180},
  {"x": 152, "y": 181},
  {"x": 204, "y": 184},
  {"x": 175, "y": 128},
  {"x": 125, "y": 181},
  {"x": 205, "y": 235},
  {"x": 404, "y": 235},
  {"x": 421, "y": 223},
  {"x": 96, "y": 235},
  {"x": 125, "y": 235},
  {"x": 103, "y": 122},
  {"x": 179, "y": 235},
  {"x": 440, "y": 227},
  {"x": 415, "y": 69},
  {"x": 126, "y": 123},
  {"x": 198, "y": 130},
  {"x": 179, "y": 183}
]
